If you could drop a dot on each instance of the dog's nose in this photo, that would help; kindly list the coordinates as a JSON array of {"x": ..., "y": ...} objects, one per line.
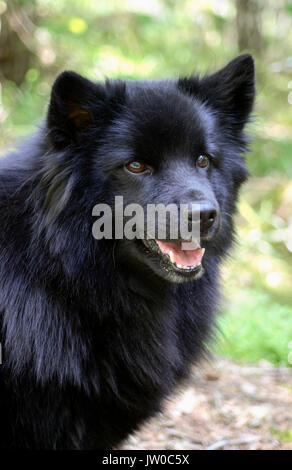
[{"x": 208, "y": 215}]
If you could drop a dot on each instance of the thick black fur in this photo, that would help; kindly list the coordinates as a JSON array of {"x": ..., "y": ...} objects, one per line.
[{"x": 93, "y": 338}]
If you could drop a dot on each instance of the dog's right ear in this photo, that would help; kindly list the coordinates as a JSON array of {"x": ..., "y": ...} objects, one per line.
[
  {"x": 71, "y": 106},
  {"x": 78, "y": 106}
]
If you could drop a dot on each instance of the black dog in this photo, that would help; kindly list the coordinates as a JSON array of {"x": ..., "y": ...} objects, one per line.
[{"x": 96, "y": 333}]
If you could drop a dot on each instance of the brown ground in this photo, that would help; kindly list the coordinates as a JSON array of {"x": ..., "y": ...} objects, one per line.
[{"x": 225, "y": 406}]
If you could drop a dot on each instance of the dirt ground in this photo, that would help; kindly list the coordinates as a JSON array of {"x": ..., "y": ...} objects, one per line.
[{"x": 225, "y": 405}]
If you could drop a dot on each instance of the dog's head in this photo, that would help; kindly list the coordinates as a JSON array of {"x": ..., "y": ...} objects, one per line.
[{"x": 177, "y": 142}]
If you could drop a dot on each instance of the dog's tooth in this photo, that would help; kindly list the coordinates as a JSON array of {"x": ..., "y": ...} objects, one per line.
[
  {"x": 171, "y": 256},
  {"x": 203, "y": 252}
]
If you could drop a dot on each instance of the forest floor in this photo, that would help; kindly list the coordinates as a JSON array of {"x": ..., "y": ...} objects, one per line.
[{"x": 225, "y": 405}]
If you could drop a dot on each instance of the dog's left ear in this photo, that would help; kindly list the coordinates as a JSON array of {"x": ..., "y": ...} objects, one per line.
[{"x": 230, "y": 91}]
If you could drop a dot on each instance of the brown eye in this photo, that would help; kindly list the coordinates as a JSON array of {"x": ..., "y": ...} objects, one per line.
[
  {"x": 203, "y": 161},
  {"x": 136, "y": 167}
]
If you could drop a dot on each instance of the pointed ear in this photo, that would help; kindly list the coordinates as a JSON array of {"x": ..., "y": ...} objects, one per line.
[
  {"x": 230, "y": 91},
  {"x": 71, "y": 107}
]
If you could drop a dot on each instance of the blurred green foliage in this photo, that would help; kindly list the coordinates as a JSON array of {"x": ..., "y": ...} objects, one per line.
[{"x": 160, "y": 38}]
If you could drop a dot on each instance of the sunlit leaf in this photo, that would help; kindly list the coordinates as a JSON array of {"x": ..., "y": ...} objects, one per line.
[{"x": 77, "y": 25}]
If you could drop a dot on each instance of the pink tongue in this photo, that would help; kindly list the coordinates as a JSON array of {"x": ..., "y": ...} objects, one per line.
[{"x": 183, "y": 257}]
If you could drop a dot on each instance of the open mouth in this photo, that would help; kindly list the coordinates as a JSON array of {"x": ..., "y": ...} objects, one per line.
[{"x": 177, "y": 255}]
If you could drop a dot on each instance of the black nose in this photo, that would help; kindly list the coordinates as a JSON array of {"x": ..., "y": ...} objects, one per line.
[{"x": 208, "y": 215}]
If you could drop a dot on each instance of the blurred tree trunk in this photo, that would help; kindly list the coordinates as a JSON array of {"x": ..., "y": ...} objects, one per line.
[
  {"x": 16, "y": 42},
  {"x": 248, "y": 19}
]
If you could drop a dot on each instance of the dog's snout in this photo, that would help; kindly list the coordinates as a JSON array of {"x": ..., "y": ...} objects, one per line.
[{"x": 208, "y": 216}]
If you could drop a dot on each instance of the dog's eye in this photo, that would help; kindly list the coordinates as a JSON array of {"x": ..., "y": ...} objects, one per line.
[
  {"x": 136, "y": 167},
  {"x": 203, "y": 161}
]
